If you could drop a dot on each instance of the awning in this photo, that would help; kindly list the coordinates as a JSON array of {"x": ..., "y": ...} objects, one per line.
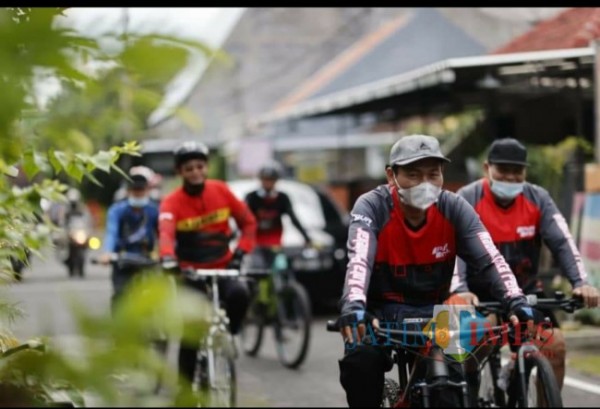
[{"x": 443, "y": 72}]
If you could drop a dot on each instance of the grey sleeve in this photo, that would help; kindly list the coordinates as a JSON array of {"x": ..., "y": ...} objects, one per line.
[
  {"x": 459, "y": 276},
  {"x": 476, "y": 247},
  {"x": 365, "y": 224},
  {"x": 555, "y": 233}
]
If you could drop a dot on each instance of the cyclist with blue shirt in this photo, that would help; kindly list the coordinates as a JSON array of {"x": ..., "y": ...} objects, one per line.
[{"x": 132, "y": 227}]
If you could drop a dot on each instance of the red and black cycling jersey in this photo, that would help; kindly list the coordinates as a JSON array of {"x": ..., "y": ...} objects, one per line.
[
  {"x": 196, "y": 229},
  {"x": 518, "y": 231},
  {"x": 268, "y": 210},
  {"x": 390, "y": 262}
]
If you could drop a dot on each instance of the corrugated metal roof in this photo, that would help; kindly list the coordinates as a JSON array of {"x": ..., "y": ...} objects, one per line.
[
  {"x": 426, "y": 38},
  {"x": 426, "y": 76}
]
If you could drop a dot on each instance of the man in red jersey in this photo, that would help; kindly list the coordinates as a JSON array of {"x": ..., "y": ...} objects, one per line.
[
  {"x": 194, "y": 232},
  {"x": 519, "y": 216}
]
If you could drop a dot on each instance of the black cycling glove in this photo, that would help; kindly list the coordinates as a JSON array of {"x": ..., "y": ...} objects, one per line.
[
  {"x": 354, "y": 318},
  {"x": 525, "y": 313},
  {"x": 236, "y": 261}
]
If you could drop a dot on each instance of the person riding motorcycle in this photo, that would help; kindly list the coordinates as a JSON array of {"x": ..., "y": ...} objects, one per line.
[
  {"x": 268, "y": 206},
  {"x": 70, "y": 217},
  {"x": 520, "y": 216},
  {"x": 194, "y": 232},
  {"x": 132, "y": 227},
  {"x": 403, "y": 241}
]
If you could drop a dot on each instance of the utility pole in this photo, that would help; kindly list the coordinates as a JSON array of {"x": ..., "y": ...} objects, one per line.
[{"x": 596, "y": 45}]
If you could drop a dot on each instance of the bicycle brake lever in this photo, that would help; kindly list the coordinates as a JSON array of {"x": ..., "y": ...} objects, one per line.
[{"x": 531, "y": 299}]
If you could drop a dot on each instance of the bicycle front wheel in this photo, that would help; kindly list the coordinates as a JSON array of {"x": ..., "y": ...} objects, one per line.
[
  {"x": 292, "y": 325},
  {"x": 253, "y": 328},
  {"x": 490, "y": 394},
  {"x": 542, "y": 387},
  {"x": 218, "y": 382}
]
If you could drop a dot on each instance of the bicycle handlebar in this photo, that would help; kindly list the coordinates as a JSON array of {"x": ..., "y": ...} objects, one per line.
[
  {"x": 332, "y": 326},
  {"x": 129, "y": 260},
  {"x": 195, "y": 274},
  {"x": 566, "y": 304}
]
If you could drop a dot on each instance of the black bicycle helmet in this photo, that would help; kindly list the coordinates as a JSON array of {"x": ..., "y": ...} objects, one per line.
[
  {"x": 270, "y": 171},
  {"x": 190, "y": 150}
]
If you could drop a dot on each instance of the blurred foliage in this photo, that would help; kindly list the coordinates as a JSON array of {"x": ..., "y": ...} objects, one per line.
[
  {"x": 114, "y": 362},
  {"x": 547, "y": 162},
  {"x": 450, "y": 129},
  {"x": 96, "y": 118}
]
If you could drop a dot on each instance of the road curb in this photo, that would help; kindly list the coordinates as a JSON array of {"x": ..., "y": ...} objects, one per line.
[{"x": 585, "y": 338}]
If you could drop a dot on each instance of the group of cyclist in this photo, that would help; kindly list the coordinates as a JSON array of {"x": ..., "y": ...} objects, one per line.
[
  {"x": 190, "y": 228},
  {"x": 411, "y": 245}
]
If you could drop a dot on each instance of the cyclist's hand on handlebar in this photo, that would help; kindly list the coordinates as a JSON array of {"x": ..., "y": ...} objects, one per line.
[
  {"x": 358, "y": 320},
  {"x": 589, "y": 295},
  {"x": 169, "y": 264},
  {"x": 105, "y": 258},
  {"x": 236, "y": 261},
  {"x": 466, "y": 298},
  {"x": 524, "y": 314}
]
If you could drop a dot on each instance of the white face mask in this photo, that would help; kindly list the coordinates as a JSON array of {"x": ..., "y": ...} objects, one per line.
[
  {"x": 506, "y": 190},
  {"x": 421, "y": 196},
  {"x": 138, "y": 201}
]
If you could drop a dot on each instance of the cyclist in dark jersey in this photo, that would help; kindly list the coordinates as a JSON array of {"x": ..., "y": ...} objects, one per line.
[
  {"x": 269, "y": 205},
  {"x": 520, "y": 216},
  {"x": 403, "y": 241}
]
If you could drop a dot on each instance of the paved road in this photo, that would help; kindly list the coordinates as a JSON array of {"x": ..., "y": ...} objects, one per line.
[{"x": 44, "y": 295}]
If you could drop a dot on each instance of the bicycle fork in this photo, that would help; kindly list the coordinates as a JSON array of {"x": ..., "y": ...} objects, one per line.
[
  {"x": 522, "y": 371},
  {"x": 438, "y": 375}
]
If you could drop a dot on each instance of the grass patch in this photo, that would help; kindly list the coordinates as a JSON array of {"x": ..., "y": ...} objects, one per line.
[{"x": 586, "y": 363}]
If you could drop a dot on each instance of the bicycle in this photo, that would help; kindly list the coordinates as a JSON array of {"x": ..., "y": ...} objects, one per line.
[
  {"x": 215, "y": 382},
  {"x": 531, "y": 382},
  {"x": 424, "y": 371},
  {"x": 280, "y": 301}
]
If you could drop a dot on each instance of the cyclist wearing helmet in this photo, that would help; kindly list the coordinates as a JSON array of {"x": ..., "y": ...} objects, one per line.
[
  {"x": 269, "y": 205},
  {"x": 131, "y": 226},
  {"x": 195, "y": 232},
  {"x": 403, "y": 241}
]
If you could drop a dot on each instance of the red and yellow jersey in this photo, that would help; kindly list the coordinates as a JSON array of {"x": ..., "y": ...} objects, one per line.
[{"x": 196, "y": 230}]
